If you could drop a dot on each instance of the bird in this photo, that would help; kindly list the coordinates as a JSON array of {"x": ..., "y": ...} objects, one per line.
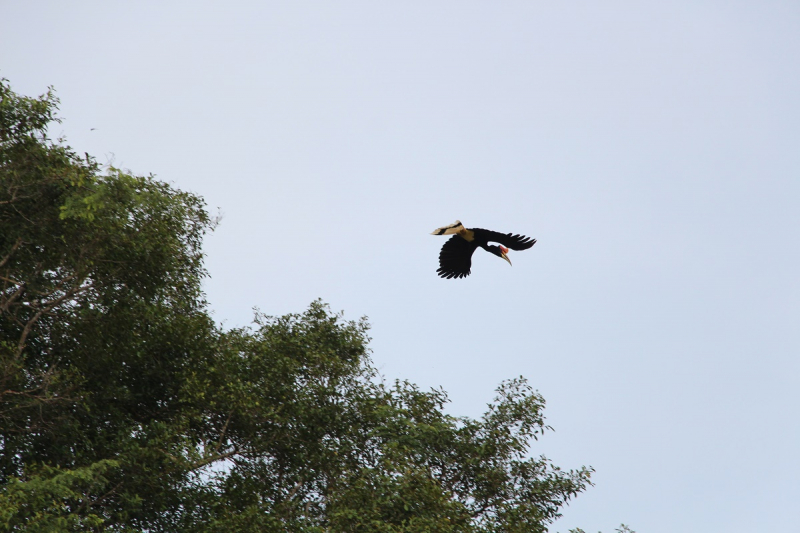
[{"x": 455, "y": 259}]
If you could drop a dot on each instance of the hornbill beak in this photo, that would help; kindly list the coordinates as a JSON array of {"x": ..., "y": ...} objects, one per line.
[{"x": 503, "y": 252}]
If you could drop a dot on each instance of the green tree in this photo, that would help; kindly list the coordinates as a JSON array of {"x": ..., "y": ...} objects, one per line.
[
  {"x": 124, "y": 407},
  {"x": 621, "y": 529}
]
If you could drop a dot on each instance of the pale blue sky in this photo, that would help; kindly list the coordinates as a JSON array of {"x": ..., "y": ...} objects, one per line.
[{"x": 653, "y": 149}]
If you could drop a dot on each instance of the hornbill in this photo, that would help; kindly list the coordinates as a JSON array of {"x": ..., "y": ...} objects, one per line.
[{"x": 455, "y": 259}]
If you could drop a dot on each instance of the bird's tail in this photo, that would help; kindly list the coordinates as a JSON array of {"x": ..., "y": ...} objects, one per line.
[{"x": 452, "y": 229}]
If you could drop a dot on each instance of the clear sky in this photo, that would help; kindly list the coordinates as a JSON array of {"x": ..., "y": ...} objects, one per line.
[{"x": 652, "y": 148}]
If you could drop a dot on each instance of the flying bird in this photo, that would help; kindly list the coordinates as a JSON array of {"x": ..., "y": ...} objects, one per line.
[{"x": 455, "y": 259}]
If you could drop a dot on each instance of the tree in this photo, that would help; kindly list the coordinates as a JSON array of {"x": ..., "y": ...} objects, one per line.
[
  {"x": 124, "y": 407},
  {"x": 621, "y": 529},
  {"x": 100, "y": 315}
]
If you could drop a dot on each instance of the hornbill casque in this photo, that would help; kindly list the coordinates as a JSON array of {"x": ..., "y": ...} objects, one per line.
[{"x": 455, "y": 259}]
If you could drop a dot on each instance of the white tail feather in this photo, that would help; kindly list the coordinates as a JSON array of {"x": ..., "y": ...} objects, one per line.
[{"x": 452, "y": 229}]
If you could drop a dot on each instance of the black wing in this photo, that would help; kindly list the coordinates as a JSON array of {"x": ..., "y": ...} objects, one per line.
[
  {"x": 455, "y": 259},
  {"x": 513, "y": 242}
]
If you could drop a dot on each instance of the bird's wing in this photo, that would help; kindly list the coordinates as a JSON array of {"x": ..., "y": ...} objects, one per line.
[
  {"x": 514, "y": 242},
  {"x": 455, "y": 259}
]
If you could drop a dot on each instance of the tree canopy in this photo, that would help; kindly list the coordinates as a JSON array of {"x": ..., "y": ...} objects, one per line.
[{"x": 124, "y": 407}]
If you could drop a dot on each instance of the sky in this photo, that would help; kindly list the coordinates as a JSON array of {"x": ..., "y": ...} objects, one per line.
[{"x": 652, "y": 149}]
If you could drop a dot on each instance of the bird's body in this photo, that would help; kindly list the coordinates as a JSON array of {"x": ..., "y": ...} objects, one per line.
[{"x": 455, "y": 259}]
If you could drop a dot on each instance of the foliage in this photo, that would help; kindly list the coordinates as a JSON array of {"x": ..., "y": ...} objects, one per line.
[
  {"x": 621, "y": 529},
  {"x": 123, "y": 407},
  {"x": 55, "y": 499}
]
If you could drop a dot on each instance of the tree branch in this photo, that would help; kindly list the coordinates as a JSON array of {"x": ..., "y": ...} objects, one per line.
[
  {"x": 214, "y": 458},
  {"x": 46, "y": 308},
  {"x": 10, "y": 253},
  {"x": 222, "y": 434},
  {"x": 16, "y": 294}
]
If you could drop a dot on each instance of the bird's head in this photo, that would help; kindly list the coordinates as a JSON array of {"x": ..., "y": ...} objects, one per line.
[{"x": 500, "y": 251}]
